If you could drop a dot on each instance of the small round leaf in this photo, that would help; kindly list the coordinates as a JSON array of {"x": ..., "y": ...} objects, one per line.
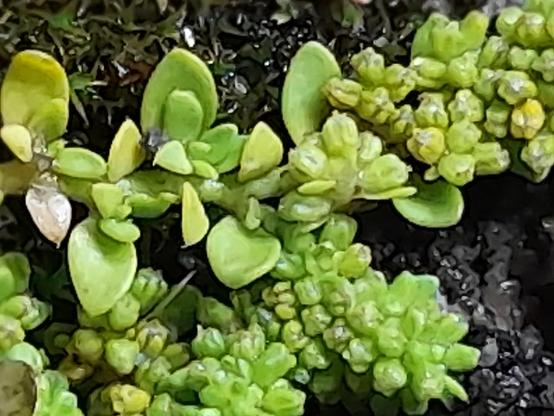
[
  {"x": 239, "y": 256},
  {"x": 173, "y": 157},
  {"x": 304, "y": 105},
  {"x": 436, "y": 205},
  {"x": 79, "y": 163},
  {"x": 102, "y": 269}
]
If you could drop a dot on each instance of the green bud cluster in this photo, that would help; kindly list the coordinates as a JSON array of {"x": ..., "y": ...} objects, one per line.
[
  {"x": 345, "y": 324},
  {"x": 19, "y": 311},
  {"x": 477, "y": 95}
]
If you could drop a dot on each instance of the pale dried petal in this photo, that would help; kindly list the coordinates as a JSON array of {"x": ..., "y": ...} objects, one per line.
[{"x": 50, "y": 211}]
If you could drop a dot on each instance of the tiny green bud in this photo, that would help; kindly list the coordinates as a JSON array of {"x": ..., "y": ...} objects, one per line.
[
  {"x": 390, "y": 338},
  {"x": 486, "y": 84},
  {"x": 369, "y": 66},
  {"x": 431, "y": 111},
  {"x": 359, "y": 354},
  {"x": 125, "y": 313},
  {"x": 461, "y": 357},
  {"x": 371, "y": 147},
  {"x": 430, "y": 72},
  {"x": 462, "y": 72},
  {"x": 308, "y": 160},
  {"x": 545, "y": 65},
  {"x": 339, "y": 134},
  {"x": 338, "y": 335},
  {"x": 248, "y": 344},
  {"x": 293, "y": 336},
  {"x": 384, "y": 173},
  {"x": 527, "y": 119},
  {"x": 152, "y": 337},
  {"x": 208, "y": 343},
  {"x": 88, "y": 345},
  {"x": 315, "y": 355},
  {"x": 494, "y": 53},
  {"x": 364, "y": 317},
  {"x": 427, "y": 145},
  {"x": 316, "y": 320},
  {"x": 127, "y": 399},
  {"x": 522, "y": 59},
  {"x": 538, "y": 154},
  {"x": 339, "y": 230},
  {"x": 122, "y": 354},
  {"x": 458, "y": 169},
  {"x": 272, "y": 364},
  {"x": 490, "y": 158},
  {"x": 389, "y": 376},
  {"x": 376, "y": 106},
  {"x": 355, "y": 261},
  {"x": 308, "y": 291},
  {"x": 462, "y": 136},
  {"x": 516, "y": 86},
  {"x": 400, "y": 81},
  {"x": 343, "y": 94},
  {"x": 497, "y": 119},
  {"x": 466, "y": 106}
]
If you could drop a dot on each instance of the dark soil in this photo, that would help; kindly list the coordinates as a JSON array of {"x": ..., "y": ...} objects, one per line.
[{"x": 496, "y": 267}]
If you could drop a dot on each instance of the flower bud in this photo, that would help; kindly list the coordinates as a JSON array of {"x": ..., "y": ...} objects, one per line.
[
  {"x": 400, "y": 81},
  {"x": 359, "y": 354},
  {"x": 88, "y": 345},
  {"x": 402, "y": 124},
  {"x": 343, "y": 94},
  {"x": 490, "y": 158},
  {"x": 516, "y": 86},
  {"x": 458, "y": 169},
  {"x": 315, "y": 355},
  {"x": 208, "y": 343},
  {"x": 462, "y": 136},
  {"x": 389, "y": 376},
  {"x": 247, "y": 344},
  {"x": 466, "y": 106},
  {"x": 364, "y": 317},
  {"x": 125, "y": 313},
  {"x": 339, "y": 230},
  {"x": 308, "y": 291},
  {"x": 497, "y": 119},
  {"x": 530, "y": 31},
  {"x": 522, "y": 59},
  {"x": 316, "y": 320},
  {"x": 507, "y": 21},
  {"x": 430, "y": 72},
  {"x": 340, "y": 133},
  {"x": 148, "y": 288},
  {"x": 494, "y": 53},
  {"x": 293, "y": 336},
  {"x": 428, "y": 381},
  {"x": 427, "y": 145},
  {"x": 308, "y": 160},
  {"x": 384, "y": 173},
  {"x": 390, "y": 338},
  {"x": 527, "y": 119},
  {"x": 152, "y": 337},
  {"x": 338, "y": 335},
  {"x": 376, "y": 106},
  {"x": 486, "y": 84},
  {"x": 122, "y": 354},
  {"x": 461, "y": 357},
  {"x": 283, "y": 399},
  {"x": 462, "y": 72},
  {"x": 272, "y": 364},
  {"x": 538, "y": 154},
  {"x": 304, "y": 208},
  {"x": 338, "y": 296},
  {"x": 128, "y": 399},
  {"x": 545, "y": 65},
  {"x": 11, "y": 333},
  {"x": 369, "y": 66},
  {"x": 355, "y": 261},
  {"x": 431, "y": 111},
  {"x": 371, "y": 147}
]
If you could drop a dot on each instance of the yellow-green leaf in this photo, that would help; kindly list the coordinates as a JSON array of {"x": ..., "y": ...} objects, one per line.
[
  {"x": 19, "y": 141},
  {"x": 102, "y": 269},
  {"x": 194, "y": 221},
  {"x": 183, "y": 116},
  {"x": 33, "y": 80},
  {"x": 50, "y": 121},
  {"x": 239, "y": 256},
  {"x": 262, "y": 152},
  {"x": 79, "y": 163},
  {"x": 178, "y": 70},
  {"x": 109, "y": 200},
  {"x": 173, "y": 157},
  {"x": 304, "y": 105},
  {"x": 122, "y": 231},
  {"x": 126, "y": 153}
]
